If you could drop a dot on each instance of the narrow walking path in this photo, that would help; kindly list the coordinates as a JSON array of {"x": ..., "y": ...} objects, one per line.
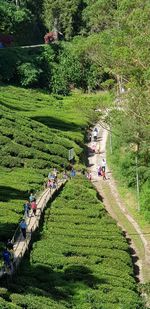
[
  {"x": 20, "y": 244},
  {"x": 118, "y": 210}
]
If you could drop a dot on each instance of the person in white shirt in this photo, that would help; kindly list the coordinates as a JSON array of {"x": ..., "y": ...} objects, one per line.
[
  {"x": 103, "y": 164},
  {"x": 95, "y": 133}
]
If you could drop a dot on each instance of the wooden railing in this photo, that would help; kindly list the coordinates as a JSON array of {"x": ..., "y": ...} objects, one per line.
[{"x": 21, "y": 244}]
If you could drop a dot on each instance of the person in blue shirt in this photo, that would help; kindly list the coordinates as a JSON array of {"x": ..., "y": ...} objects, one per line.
[
  {"x": 73, "y": 172},
  {"x": 49, "y": 175},
  {"x": 26, "y": 208},
  {"x": 23, "y": 227},
  {"x": 31, "y": 197},
  {"x": 6, "y": 257}
]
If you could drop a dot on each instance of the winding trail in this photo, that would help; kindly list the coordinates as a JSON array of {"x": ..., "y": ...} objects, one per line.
[{"x": 139, "y": 243}]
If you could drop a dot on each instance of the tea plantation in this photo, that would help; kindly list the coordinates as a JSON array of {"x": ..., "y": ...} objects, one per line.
[
  {"x": 36, "y": 132},
  {"x": 81, "y": 259}
]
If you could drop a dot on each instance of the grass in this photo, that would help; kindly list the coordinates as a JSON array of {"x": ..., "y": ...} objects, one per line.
[
  {"x": 129, "y": 198},
  {"x": 120, "y": 217}
]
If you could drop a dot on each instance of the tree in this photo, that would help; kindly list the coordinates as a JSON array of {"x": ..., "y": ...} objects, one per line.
[
  {"x": 66, "y": 13},
  {"x": 98, "y": 14}
]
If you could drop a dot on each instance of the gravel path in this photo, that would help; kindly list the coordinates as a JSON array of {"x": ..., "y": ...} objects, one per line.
[{"x": 107, "y": 187}]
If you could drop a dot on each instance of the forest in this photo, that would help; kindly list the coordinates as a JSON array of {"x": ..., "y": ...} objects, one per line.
[{"x": 48, "y": 94}]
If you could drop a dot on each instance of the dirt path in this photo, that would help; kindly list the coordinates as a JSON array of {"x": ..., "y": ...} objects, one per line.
[{"x": 139, "y": 244}]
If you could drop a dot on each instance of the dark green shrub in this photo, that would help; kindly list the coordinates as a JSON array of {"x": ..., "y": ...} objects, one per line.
[
  {"x": 29, "y": 74},
  {"x": 37, "y": 163},
  {"x": 4, "y": 140},
  {"x": 11, "y": 161}
]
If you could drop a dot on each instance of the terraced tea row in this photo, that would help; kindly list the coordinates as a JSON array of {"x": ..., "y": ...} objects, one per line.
[
  {"x": 82, "y": 258},
  {"x": 36, "y": 132}
]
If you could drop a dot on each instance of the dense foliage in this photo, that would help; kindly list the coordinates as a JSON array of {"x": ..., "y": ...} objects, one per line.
[
  {"x": 81, "y": 259},
  {"x": 56, "y": 68}
]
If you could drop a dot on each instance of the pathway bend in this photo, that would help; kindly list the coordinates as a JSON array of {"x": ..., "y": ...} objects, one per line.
[{"x": 117, "y": 209}]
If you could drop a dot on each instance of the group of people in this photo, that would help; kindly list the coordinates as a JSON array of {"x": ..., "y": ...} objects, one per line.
[
  {"x": 30, "y": 205},
  {"x": 92, "y": 136},
  {"x": 30, "y": 208},
  {"x": 101, "y": 171},
  {"x": 8, "y": 252},
  {"x": 95, "y": 147},
  {"x": 52, "y": 179}
]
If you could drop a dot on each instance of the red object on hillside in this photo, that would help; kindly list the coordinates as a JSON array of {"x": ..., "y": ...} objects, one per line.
[
  {"x": 6, "y": 39},
  {"x": 52, "y": 36},
  {"x": 49, "y": 37}
]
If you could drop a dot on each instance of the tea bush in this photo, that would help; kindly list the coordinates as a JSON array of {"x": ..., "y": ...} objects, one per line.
[
  {"x": 87, "y": 264},
  {"x": 81, "y": 259},
  {"x": 36, "y": 132}
]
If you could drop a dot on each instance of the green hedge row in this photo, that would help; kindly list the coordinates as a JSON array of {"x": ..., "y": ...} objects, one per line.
[
  {"x": 75, "y": 266},
  {"x": 86, "y": 250}
]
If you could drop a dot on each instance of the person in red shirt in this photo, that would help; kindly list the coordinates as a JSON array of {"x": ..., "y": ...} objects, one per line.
[
  {"x": 34, "y": 207},
  {"x": 104, "y": 175}
]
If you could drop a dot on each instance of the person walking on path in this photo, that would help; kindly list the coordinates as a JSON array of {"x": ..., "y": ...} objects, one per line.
[
  {"x": 55, "y": 173},
  {"x": 89, "y": 176},
  {"x": 99, "y": 170},
  {"x": 73, "y": 173},
  {"x": 9, "y": 245},
  {"x": 93, "y": 147},
  {"x": 104, "y": 175},
  {"x": 95, "y": 134},
  {"x": 34, "y": 207},
  {"x": 23, "y": 227},
  {"x": 104, "y": 165},
  {"x": 49, "y": 183},
  {"x": 31, "y": 197},
  {"x": 7, "y": 259},
  {"x": 26, "y": 209},
  {"x": 96, "y": 129},
  {"x": 89, "y": 137}
]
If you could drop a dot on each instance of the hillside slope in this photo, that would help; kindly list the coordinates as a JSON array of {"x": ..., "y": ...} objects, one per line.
[{"x": 36, "y": 132}]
